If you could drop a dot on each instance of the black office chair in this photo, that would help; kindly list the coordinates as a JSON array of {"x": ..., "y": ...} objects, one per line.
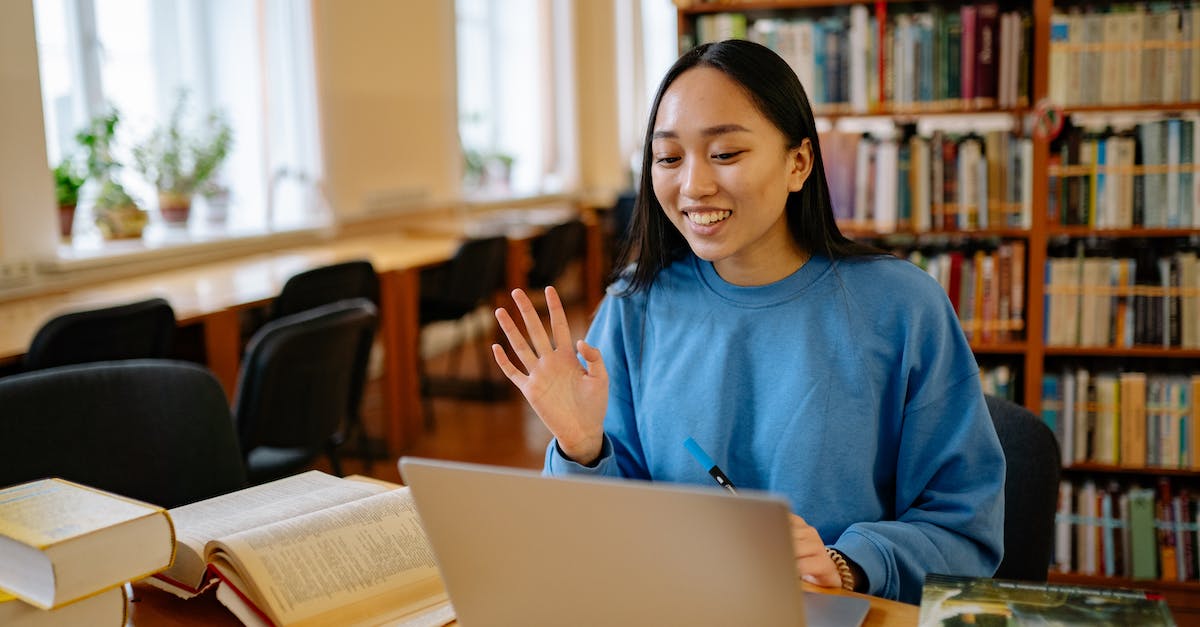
[
  {"x": 1030, "y": 490},
  {"x": 325, "y": 285},
  {"x": 330, "y": 284},
  {"x": 152, "y": 429},
  {"x": 553, "y": 250},
  {"x": 294, "y": 389},
  {"x": 456, "y": 288},
  {"x": 137, "y": 330}
]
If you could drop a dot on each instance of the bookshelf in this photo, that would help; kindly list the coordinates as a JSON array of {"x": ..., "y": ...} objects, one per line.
[{"x": 1055, "y": 62}]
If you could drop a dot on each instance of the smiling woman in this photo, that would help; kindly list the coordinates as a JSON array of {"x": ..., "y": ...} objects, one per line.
[{"x": 807, "y": 365}]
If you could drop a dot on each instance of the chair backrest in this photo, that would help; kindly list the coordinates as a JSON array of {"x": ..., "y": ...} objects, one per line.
[
  {"x": 153, "y": 429},
  {"x": 325, "y": 285},
  {"x": 134, "y": 331},
  {"x": 553, "y": 250},
  {"x": 297, "y": 377},
  {"x": 1030, "y": 490},
  {"x": 455, "y": 288}
]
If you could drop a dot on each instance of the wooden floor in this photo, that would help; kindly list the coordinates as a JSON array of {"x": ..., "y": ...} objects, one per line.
[{"x": 502, "y": 432}]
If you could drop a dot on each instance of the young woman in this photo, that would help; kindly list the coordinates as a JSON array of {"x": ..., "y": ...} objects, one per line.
[{"x": 806, "y": 365}]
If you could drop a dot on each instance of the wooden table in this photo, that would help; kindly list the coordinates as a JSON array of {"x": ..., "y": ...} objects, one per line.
[
  {"x": 521, "y": 226},
  {"x": 212, "y": 294},
  {"x": 153, "y": 607}
]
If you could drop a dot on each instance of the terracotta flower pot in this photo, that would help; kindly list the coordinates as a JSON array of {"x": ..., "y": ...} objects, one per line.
[
  {"x": 66, "y": 219},
  {"x": 174, "y": 207}
]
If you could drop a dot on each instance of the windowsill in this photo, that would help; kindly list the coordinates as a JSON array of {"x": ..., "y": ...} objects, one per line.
[{"x": 161, "y": 242}]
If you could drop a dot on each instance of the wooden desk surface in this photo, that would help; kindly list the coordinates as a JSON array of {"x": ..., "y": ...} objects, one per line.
[
  {"x": 196, "y": 292},
  {"x": 153, "y": 607}
]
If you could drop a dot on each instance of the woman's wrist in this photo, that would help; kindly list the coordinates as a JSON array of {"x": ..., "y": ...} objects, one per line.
[{"x": 582, "y": 454}]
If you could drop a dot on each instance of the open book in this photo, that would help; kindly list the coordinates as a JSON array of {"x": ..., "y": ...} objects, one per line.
[{"x": 311, "y": 549}]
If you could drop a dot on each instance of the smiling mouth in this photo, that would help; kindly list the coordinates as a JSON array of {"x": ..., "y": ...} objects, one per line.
[{"x": 705, "y": 218}]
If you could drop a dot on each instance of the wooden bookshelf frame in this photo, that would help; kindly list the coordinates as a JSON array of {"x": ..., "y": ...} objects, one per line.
[{"x": 1183, "y": 597}]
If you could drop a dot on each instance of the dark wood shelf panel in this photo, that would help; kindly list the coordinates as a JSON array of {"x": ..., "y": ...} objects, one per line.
[
  {"x": 733, "y": 6},
  {"x": 1156, "y": 352},
  {"x": 1084, "y": 231},
  {"x": 1134, "y": 108},
  {"x": 1001, "y": 348},
  {"x": 1086, "y": 467},
  {"x": 912, "y": 111},
  {"x": 867, "y": 233}
]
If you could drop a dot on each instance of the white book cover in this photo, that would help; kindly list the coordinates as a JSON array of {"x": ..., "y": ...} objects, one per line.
[
  {"x": 1063, "y": 526},
  {"x": 886, "y": 171}
]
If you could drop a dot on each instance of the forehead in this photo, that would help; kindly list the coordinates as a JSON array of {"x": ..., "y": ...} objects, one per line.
[{"x": 703, "y": 97}]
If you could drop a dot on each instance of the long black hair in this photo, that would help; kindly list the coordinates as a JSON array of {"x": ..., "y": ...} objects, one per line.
[{"x": 773, "y": 87}]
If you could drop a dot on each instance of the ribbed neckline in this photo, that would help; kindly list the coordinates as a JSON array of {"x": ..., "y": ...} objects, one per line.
[{"x": 780, "y": 291}]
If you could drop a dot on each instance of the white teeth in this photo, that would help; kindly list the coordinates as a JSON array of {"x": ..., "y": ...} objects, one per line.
[{"x": 708, "y": 217}]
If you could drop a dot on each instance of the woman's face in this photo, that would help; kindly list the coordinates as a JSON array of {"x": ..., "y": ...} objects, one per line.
[{"x": 722, "y": 172}]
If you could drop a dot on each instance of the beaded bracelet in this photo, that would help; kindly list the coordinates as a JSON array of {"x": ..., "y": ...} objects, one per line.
[{"x": 843, "y": 568}]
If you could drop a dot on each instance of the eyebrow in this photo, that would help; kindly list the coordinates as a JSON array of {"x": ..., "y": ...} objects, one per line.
[{"x": 711, "y": 131}]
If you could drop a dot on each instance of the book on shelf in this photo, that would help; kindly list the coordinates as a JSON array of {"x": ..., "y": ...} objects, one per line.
[
  {"x": 311, "y": 549},
  {"x": 106, "y": 609},
  {"x": 61, "y": 541},
  {"x": 951, "y": 600}
]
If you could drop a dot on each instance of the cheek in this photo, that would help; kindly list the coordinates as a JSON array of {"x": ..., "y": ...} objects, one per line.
[{"x": 664, "y": 189}]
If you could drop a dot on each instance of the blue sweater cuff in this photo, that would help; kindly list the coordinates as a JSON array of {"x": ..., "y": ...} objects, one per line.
[
  {"x": 559, "y": 464},
  {"x": 872, "y": 560}
]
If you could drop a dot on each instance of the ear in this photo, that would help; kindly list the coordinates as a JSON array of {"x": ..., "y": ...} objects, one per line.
[{"x": 800, "y": 163}]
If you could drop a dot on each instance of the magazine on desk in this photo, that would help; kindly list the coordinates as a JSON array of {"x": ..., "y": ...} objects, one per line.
[
  {"x": 950, "y": 601},
  {"x": 311, "y": 549}
]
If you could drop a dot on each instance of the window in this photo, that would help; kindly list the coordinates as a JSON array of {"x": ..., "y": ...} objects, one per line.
[
  {"x": 512, "y": 96},
  {"x": 252, "y": 61},
  {"x": 646, "y": 48}
]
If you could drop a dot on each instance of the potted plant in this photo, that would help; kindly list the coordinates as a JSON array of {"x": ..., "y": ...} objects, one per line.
[
  {"x": 116, "y": 213},
  {"x": 179, "y": 161},
  {"x": 68, "y": 179}
]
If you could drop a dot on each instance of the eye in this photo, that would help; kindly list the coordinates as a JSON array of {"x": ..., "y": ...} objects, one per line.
[
  {"x": 726, "y": 156},
  {"x": 667, "y": 160}
]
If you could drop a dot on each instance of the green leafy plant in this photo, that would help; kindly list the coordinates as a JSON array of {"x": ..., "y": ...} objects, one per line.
[
  {"x": 68, "y": 179},
  {"x": 179, "y": 160}
]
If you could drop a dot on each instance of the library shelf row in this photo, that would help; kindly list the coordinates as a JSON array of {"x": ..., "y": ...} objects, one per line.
[{"x": 1091, "y": 468}]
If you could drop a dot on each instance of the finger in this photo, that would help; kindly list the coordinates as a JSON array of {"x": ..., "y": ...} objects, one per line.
[
  {"x": 591, "y": 355},
  {"x": 533, "y": 323},
  {"x": 528, "y": 358},
  {"x": 506, "y": 366},
  {"x": 558, "y": 319}
]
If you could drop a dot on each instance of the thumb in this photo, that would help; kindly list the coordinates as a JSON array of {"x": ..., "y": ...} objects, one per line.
[{"x": 591, "y": 355}]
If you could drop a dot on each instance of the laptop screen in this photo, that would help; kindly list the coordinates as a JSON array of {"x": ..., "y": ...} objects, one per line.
[{"x": 517, "y": 548}]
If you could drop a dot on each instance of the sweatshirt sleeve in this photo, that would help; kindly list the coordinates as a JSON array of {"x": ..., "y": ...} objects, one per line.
[{"x": 949, "y": 499}]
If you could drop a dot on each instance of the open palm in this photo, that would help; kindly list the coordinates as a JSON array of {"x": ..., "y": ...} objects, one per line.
[{"x": 570, "y": 399}]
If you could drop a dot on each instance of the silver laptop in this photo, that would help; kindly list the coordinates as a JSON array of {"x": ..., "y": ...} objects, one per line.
[{"x": 517, "y": 548}]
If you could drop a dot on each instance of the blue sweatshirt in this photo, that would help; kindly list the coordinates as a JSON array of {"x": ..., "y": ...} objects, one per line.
[{"x": 847, "y": 388}]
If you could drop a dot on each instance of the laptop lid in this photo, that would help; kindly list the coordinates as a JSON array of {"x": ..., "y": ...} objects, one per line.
[{"x": 517, "y": 548}]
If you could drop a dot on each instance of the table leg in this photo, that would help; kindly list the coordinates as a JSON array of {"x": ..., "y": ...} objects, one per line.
[
  {"x": 223, "y": 347},
  {"x": 401, "y": 334}
]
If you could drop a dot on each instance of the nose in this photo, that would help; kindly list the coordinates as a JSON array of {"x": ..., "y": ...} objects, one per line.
[{"x": 698, "y": 179}]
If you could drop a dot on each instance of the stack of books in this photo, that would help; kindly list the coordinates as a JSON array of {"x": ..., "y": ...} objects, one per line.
[{"x": 67, "y": 551}]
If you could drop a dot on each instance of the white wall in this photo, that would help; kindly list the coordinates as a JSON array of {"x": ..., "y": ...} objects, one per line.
[
  {"x": 386, "y": 94},
  {"x": 28, "y": 213}
]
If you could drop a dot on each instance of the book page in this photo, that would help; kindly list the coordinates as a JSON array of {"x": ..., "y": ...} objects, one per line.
[
  {"x": 358, "y": 561},
  {"x": 198, "y": 523}
]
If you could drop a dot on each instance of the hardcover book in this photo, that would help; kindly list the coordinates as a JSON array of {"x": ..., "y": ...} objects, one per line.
[
  {"x": 948, "y": 600},
  {"x": 61, "y": 542}
]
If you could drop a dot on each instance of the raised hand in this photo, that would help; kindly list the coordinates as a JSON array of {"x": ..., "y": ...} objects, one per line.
[
  {"x": 570, "y": 399},
  {"x": 813, "y": 563}
]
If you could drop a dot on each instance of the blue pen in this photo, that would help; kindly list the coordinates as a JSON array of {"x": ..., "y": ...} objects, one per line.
[{"x": 709, "y": 465}]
